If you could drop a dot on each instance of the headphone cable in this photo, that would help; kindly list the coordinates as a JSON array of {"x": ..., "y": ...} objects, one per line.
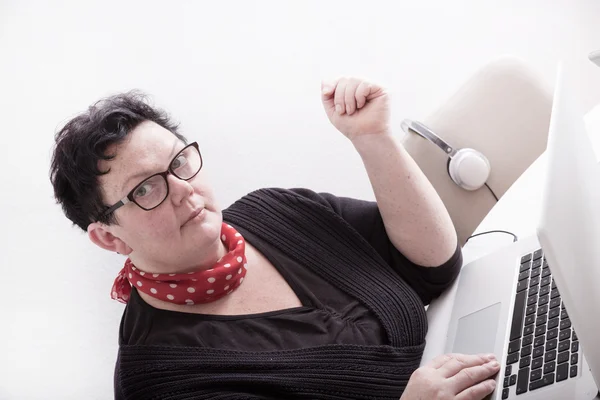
[
  {"x": 515, "y": 238},
  {"x": 491, "y": 191}
]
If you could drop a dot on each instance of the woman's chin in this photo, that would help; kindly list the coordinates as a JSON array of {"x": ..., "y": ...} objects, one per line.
[{"x": 205, "y": 227}]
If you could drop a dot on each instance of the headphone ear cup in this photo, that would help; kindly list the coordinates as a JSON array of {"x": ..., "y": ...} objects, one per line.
[{"x": 469, "y": 169}]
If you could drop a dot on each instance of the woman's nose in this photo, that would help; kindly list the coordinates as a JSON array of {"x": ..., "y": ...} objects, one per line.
[{"x": 179, "y": 189}]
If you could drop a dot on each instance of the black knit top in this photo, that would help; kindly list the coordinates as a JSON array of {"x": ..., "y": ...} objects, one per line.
[{"x": 358, "y": 334}]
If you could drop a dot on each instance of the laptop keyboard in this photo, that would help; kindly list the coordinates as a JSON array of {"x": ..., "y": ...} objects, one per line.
[{"x": 543, "y": 347}]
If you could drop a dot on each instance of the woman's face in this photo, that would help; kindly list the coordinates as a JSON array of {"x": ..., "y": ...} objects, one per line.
[{"x": 164, "y": 239}]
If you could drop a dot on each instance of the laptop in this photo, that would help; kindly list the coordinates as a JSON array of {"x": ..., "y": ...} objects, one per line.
[{"x": 535, "y": 303}]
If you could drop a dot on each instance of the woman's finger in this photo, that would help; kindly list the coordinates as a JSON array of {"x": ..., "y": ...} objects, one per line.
[
  {"x": 440, "y": 360},
  {"x": 350, "y": 95},
  {"x": 340, "y": 93},
  {"x": 327, "y": 93},
  {"x": 362, "y": 91},
  {"x": 471, "y": 376},
  {"x": 460, "y": 362},
  {"x": 477, "y": 392}
]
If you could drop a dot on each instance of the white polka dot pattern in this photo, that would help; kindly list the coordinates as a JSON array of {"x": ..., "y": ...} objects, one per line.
[{"x": 189, "y": 288}]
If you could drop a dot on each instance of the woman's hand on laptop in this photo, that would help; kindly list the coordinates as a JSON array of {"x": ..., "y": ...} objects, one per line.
[{"x": 453, "y": 376}]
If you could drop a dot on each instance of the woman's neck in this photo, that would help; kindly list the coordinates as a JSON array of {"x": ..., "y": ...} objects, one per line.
[{"x": 205, "y": 261}]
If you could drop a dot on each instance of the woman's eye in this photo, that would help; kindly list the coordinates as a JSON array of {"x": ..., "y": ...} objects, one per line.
[
  {"x": 143, "y": 190},
  {"x": 179, "y": 162}
]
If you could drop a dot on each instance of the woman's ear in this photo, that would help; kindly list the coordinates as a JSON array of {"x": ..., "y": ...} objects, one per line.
[{"x": 101, "y": 236}]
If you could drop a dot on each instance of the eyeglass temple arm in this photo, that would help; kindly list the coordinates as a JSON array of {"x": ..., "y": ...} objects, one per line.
[{"x": 117, "y": 205}]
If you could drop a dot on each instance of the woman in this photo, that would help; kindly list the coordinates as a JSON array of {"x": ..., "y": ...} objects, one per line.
[{"x": 285, "y": 294}]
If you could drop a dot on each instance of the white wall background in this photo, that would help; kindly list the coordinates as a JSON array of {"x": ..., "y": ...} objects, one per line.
[{"x": 243, "y": 78}]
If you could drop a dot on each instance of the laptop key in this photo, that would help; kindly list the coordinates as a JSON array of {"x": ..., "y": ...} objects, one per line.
[
  {"x": 540, "y": 330},
  {"x": 525, "y": 362},
  {"x": 512, "y": 358},
  {"x": 533, "y": 290},
  {"x": 545, "y": 272},
  {"x": 574, "y": 358},
  {"x": 534, "y": 281},
  {"x": 575, "y": 347},
  {"x": 565, "y": 323},
  {"x": 549, "y": 367},
  {"x": 513, "y": 380},
  {"x": 563, "y": 357},
  {"x": 551, "y": 344},
  {"x": 506, "y": 380},
  {"x": 536, "y": 264},
  {"x": 523, "y": 380},
  {"x": 514, "y": 346},
  {"x": 545, "y": 281},
  {"x": 541, "y": 320},
  {"x": 564, "y": 335},
  {"x": 536, "y": 272},
  {"x": 530, "y": 310},
  {"x": 537, "y": 363},
  {"x": 532, "y": 300},
  {"x": 554, "y": 294},
  {"x": 562, "y": 372},
  {"x": 554, "y": 312},
  {"x": 553, "y": 323},
  {"x": 564, "y": 345},
  {"x": 555, "y": 303},
  {"x": 517, "y": 321},
  {"x": 527, "y": 340},
  {"x": 547, "y": 380},
  {"x": 573, "y": 372},
  {"x": 504, "y": 394},
  {"x": 542, "y": 309},
  {"x": 522, "y": 285},
  {"x": 528, "y": 330},
  {"x": 535, "y": 375},
  {"x": 564, "y": 314},
  {"x": 508, "y": 370},
  {"x": 524, "y": 275},
  {"x": 539, "y": 341},
  {"x": 550, "y": 356},
  {"x": 574, "y": 336},
  {"x": 544, "y": 290},
  {"x": 538, "y": 352},
  {"x": 525, "y": 351},
  {"x": 537, "y": 254},
  {"x": 543, "y": 299},
  {"x": 526, "y": 266},
  {"x": 530, "y": 319},
  {"x": 552, "y": 333},
  {"x": 525, "y": 258}
]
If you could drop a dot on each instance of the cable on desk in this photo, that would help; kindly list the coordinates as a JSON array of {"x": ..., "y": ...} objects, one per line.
[
  {"x": 515, "y": 238},
  {"x": 491, "y": 191}
]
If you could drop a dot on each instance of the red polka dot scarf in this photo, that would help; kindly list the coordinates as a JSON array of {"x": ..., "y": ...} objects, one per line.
[{"x": 193, "y": 287}]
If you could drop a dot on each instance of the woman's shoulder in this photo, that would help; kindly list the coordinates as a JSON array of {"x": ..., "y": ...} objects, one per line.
[{"x": 289, "y": 194}]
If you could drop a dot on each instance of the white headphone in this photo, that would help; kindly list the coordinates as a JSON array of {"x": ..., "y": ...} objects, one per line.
[{"x": 468, "y": 168}]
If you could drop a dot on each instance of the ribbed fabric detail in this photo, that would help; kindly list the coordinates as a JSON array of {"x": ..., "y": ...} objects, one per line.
[
  {"x": 317, "y": 237},
  {"x": 325, "y": 372}
]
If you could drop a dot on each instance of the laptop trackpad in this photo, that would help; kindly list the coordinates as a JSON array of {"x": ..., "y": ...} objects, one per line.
[{"x": 476, "y": 332}]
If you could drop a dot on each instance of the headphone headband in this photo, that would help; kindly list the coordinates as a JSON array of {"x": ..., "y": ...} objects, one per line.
[{"x": 427, "y": 133}]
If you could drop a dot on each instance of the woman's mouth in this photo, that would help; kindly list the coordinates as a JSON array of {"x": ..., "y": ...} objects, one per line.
[{"x": 195, "y": 216}]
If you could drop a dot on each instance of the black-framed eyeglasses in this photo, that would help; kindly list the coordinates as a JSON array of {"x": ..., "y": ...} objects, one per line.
[{"x": 152, "y": 191}]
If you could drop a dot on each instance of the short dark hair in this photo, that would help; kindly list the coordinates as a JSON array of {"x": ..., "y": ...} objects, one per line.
[{"x": 83, "y": 142}]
